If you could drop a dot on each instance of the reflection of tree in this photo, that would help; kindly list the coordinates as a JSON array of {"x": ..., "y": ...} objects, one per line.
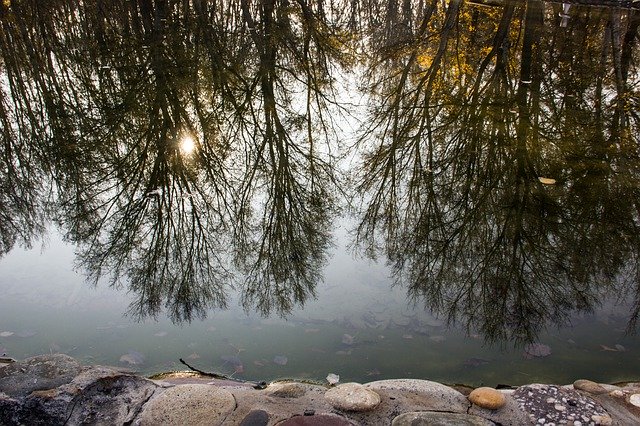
[
  {"x": 111, "y": 91},
  {"x": 465, "y": 127},
  {"x": 470, "y": 106}
]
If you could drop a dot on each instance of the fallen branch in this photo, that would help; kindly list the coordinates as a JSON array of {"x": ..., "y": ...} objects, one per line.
[{"x": 256, "y": 385}]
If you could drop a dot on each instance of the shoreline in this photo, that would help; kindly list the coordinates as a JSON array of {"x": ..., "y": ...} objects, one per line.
[{"x": 57, "y": 389}]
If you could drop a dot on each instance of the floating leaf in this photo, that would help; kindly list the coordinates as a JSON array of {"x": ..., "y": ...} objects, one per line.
[
  {"x": 547, "y": 181},
  {"x": 333, "y": 378}
]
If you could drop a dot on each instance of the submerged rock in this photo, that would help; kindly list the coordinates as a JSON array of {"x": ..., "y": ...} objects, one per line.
[{"x": 537, "y": 350}]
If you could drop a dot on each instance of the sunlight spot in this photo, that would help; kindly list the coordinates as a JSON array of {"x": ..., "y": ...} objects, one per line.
[{"x": 187, "y": 145}]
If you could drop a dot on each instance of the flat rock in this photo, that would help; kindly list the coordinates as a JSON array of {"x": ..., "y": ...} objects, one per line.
[
  {"x": 433, "y": 418},
  {"x": 352, "y": 397},
  {"x": 189, "y": 404},
  {"x": 489, "y": 398},
  {"x": 422, "y": 394},
  {"x": 589, "y": 386}
]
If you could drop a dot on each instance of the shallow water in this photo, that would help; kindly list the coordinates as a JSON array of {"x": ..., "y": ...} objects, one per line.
[{"x": 43, "y": 294}]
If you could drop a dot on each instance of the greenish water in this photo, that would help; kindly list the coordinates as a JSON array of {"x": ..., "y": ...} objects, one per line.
[{"x": 43, "y": 295}]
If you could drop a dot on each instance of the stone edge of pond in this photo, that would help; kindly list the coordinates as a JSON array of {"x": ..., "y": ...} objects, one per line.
[{"x": 57, "y": 389}]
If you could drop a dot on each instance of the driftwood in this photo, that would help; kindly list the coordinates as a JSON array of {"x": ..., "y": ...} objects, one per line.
[{"x": 256, "y": 385}]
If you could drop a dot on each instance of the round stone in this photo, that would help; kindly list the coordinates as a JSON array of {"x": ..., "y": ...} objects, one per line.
[
  {"x": 602, "y": 420},
  {"x": 193, "y": 404},
  {"x": 635, "y": 399},
  {"x": 255, "y": 418},
  {"x": 352, "y": 397},
  {"x": 425, "y": 418},
  {"x": 487, "y": 398},
  {"x": 589, "y": 386}
]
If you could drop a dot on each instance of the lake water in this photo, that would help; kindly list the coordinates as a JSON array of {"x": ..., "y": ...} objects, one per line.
[{"x": 439, "y": 191}]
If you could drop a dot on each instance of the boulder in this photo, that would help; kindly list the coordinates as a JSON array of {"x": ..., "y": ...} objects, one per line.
[{"x": 194, "y": 404}]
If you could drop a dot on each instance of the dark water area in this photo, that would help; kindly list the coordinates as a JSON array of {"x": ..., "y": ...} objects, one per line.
[{"x": 439, "y": 190}]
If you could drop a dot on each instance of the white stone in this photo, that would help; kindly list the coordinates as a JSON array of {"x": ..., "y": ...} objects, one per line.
[
  {"x": 559, "y": 407},
  {"x": 635, "y": 399},
  {"x": 602, "y": 420}
]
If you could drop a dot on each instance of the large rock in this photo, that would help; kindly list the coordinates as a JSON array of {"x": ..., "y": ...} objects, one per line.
[
  {"x": 189, "y": 404},
  {"x": 41, "y": 372},
  {"x": 98, "y": 395},
  {"x": 352, "y": 397},
  {"x": 433, "y": 418},
  {"x": 418, "y": 395}
]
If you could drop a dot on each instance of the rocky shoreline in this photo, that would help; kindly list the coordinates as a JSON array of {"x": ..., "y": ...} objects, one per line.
[{"x": 57, "y": 390}]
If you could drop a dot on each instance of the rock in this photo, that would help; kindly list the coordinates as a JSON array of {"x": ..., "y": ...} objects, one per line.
[
  {"x": 19, "y": 379},
  {"x": 255, "y": 418},
  {"x": 194, "y": 404},
  {"x": 537, "y": 350},
  {"x": 425, "y": 418},
  {"x": 635, "y": 399},
  {"x": 286, "y": 390},
  {"x": 98, "y": 395},
  {"x": 539, "y": 403},
  {"x": 602, "y": 420},
  {"x": 487, "y": 398},
  {"x": 352, "y": 397},
  {"x": 319, "y": 420},
  {"x": 589, "y": 386},
  {"x": 421, "y": 394}
]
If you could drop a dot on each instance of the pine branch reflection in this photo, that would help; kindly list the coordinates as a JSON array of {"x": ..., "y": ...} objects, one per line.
[{"x": 474, "y": 112}]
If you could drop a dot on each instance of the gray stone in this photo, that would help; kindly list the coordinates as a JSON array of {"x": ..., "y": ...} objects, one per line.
[
  {"x": 255, "y": 418},
  {"x": 422, "y": 394},
  {"x": 433, "y": 418},
  {"x": 352, "y": 397},
  {"x": 42, "y": 372},
  {"x": 189, "y": 404},
  {"x": 98, "y": 395},
  {"x": 508, "y": 415}
]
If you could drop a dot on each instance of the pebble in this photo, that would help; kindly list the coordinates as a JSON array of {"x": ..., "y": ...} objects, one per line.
[
  {"x": 602, "y": 420},
  {"x": 589, "y": 386},
  {"x": 352, "y": 397},
  {"x": 487, "y": 398},
  {"x": 635, "y": 399}
]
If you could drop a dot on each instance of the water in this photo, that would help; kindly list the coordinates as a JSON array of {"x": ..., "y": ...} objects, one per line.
[{"x": 398, "y": 200}]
